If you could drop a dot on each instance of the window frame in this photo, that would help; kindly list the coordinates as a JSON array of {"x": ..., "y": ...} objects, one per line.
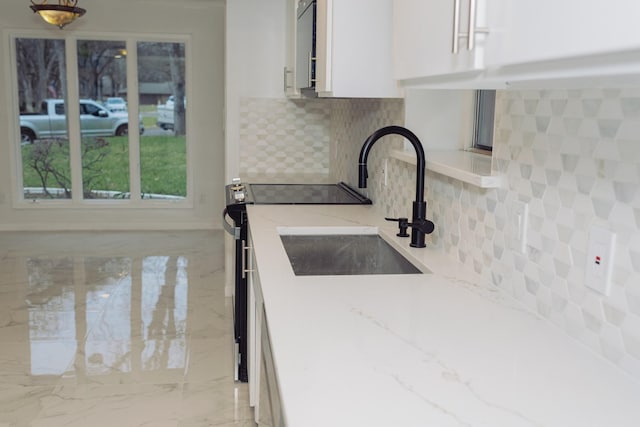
[{"x": 77, "y": 200}]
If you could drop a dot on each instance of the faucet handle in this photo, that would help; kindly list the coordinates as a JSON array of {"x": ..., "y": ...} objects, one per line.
[
  {"x": 425, "y": 226},
  {"x": 403, "y": 224}
]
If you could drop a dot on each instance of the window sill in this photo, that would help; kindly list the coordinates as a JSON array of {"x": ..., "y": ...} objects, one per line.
[{"x": 465, "y": 166}]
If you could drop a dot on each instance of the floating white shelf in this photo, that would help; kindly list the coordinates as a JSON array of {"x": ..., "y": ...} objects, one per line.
[{"x": 465, "y": 166}]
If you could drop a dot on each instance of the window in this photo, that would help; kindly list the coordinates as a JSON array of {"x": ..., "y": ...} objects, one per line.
[
  {"x": 163, "y": 154},
  {"x": 484, "y": 119},
  {"x": 74, "y": 146},
  {"x": 40, "y": 75},
  {"x": 105, "y": 142}
]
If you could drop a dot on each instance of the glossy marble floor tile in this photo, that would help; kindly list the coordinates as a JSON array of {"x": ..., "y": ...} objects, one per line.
[{"x": 116, "y": 329}]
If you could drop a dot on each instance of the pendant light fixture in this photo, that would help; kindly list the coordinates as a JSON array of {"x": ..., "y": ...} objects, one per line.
[{"x": 59, "y": 14}]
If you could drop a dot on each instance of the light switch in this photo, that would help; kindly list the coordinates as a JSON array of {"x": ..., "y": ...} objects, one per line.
[{"x": 600, "y": 255}]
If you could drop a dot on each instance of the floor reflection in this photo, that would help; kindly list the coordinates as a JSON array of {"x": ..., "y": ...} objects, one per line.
[
  {"x": 52, "y": 319},
  {"x": 111, "y": 309},
  {"x": 136, "y": 311}
]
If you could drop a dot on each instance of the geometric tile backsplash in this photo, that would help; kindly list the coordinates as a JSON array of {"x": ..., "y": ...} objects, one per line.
[
  {"x": 283, "y": 135},
  {"x": 572, "y": 155}
]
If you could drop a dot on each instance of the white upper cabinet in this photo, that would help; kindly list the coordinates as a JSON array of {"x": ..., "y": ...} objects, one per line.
[
  {"x": 443, "y": 37},
  {"x": 514, "y": 40},
  {"x": 548, "y": 30},
  {"x": 353, "y": 51}
]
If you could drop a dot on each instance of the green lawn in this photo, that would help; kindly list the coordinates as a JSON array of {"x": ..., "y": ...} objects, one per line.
[
  {"x": 149, "y": 115},
  {"x": 163, "y": 164},
  {"x": 148, "y": 122}
]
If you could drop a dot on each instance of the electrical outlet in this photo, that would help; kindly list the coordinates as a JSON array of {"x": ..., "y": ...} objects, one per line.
[
  {"x": 600, "y": 254},
  {"x": 519, "y": 217}
]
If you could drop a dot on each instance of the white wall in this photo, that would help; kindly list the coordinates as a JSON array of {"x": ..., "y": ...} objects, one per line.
[
  {"x": 435, "y": 117},
  {"x": 255, "y": 61},
  {"x": 204, "y": 22}
]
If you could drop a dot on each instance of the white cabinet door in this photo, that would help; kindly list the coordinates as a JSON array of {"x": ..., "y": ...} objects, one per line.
[
  {"x": 354, "y": 49},
  {"x": 524, "y": 40},
  {"x": 254, "y": 319},
  {"x": 548, "y": 30},
  {"x": 431, "y": 37}
]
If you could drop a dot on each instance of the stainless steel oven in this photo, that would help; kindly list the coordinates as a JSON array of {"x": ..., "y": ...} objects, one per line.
[{"x": 238, "y": 196}]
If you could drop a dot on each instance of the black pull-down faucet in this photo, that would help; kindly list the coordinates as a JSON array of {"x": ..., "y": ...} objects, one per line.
[{"x": 419, "y": 224}]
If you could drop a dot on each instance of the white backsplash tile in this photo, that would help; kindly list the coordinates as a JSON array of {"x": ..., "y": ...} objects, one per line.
[
  {"x": 572, "y": 155},
  {"x": 280, "y": 135}
]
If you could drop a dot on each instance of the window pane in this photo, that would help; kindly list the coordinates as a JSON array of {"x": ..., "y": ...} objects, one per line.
[
  {"x": 485, "y": 111},
  {"x": 161, "y": 84},
  {"x": 104, "y": 120},
  {"x": 46, "y": 172}
]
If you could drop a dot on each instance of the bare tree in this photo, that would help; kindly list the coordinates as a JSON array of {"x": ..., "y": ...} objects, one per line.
[
  {"x": 176, "y": 66},
  {"x": 40, "y": 66},
  {"x": 49, "y": 159},
  {"x": 161, "y": 62},
  {"x": 96, "y": 59}
]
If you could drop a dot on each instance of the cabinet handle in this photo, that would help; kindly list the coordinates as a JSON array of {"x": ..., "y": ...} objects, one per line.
[
  {"x": 456, "y": 25},
  {"x": 231, "y": 229},
  {"x": 310, "y": 59},
  {"x": 245, "y": 268},
  {"x": 286, "y": 80},
  {"x": 471, "y": 40}
]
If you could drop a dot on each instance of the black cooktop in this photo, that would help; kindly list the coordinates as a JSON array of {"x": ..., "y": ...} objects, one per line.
[{"x": 306, "y": 194}]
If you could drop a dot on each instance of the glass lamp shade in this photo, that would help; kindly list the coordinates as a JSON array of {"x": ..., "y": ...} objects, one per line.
[{"x": 58, "y": 15}]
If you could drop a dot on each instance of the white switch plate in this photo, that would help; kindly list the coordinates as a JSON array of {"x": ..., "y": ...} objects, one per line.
[
  {"x": 600, "y": 253},
  {"x": 519, "y": 218}
]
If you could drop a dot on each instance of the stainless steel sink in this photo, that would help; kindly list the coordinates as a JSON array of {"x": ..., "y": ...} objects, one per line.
[{"x": 344, "y": 254}]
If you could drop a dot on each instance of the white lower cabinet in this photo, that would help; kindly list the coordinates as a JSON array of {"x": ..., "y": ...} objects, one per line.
[
  {"x": 270, "y": 407},
  {"x": 254, "y": 317},
  {"x": 264, "y": 394}
]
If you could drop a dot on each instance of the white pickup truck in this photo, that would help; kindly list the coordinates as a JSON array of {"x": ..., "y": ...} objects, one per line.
[
  {"x": 51, "y": 121},
  {"x": 166, "y": 115}
]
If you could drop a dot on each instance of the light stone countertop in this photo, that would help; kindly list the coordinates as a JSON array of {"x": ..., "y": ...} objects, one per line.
[{"x": 420, "y": 350}]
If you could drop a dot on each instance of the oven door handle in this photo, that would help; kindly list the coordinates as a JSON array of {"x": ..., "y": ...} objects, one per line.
[{"x": 231, "y": 229}]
